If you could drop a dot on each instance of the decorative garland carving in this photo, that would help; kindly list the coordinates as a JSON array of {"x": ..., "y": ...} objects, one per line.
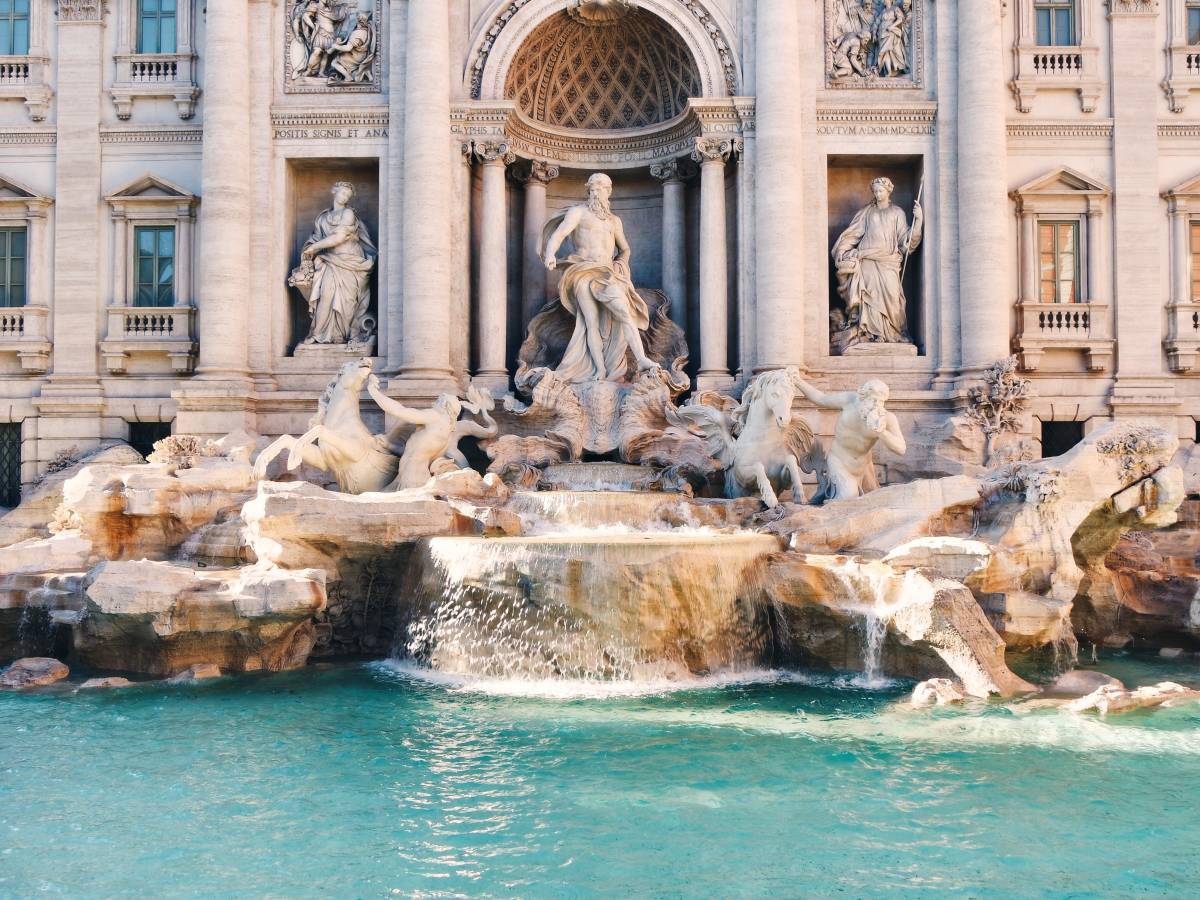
[{"x": 80, "y": 10}]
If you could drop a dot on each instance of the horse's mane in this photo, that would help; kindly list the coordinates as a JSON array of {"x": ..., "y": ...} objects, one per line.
[
  {"x": 330, "y": 390},
  {"x": 751, "y": 394}
]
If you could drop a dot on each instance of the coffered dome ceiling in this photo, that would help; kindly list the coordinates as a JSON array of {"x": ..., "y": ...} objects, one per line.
[{"x": 630, "y": 73}]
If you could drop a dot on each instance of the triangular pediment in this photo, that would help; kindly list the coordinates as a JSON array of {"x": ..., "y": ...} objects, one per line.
[
  {"x": 151, "y": 187},
  {"x": 11, "y": 189},
  {"x": 1190, "y": 188},
  {"x": 1063, "y": 180}
]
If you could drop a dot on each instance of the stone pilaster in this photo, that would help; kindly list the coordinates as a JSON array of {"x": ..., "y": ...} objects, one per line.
[
  {"x": 714, "y": 266},
  {"x": 672, "y": 173},
  {"x": 1142, "y": 388},
  {"x": 71, "y": 403},
  {"x": 534, "y": 283},
  {"x": 218, "y": 399},
  {"x": 779, "y": 204},
  {"x": 492, "y": 332},
  {"x": 426, "y": 251},
  {"x": 984, "y": 257}
]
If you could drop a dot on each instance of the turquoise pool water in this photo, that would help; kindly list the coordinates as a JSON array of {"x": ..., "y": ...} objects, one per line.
[{"x": 368, "y": 781}]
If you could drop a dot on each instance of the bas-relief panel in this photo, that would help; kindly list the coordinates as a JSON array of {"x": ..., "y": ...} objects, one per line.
[
  {"x": 874, "y": 43},
  {"x": 333, "y": 46}
]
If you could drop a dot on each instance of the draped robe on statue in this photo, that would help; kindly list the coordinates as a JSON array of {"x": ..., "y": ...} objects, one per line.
[
  {"x": 870, "y": 282},
  {"x": 341, "y": 293},
  {"x": 612, "y": 290}
]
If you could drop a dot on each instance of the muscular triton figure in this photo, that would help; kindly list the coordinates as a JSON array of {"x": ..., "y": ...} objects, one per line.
[{"x": 596, "y": 287}]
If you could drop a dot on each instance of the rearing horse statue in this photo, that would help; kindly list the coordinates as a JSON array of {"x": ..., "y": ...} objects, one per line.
[{"x": 760, "y": 444}]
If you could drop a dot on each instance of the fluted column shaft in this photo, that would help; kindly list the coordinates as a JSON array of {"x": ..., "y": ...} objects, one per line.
[
  {"x": 1181, "y": 257},
  {"x": 533, "y": 270},
  {"x": 779, "y": 209},
  {"x": 714, "y": 266},
  {"x": 225, "y": 187},
  {"x": 982, "y": 202},
  {"x": 671, "y": 173},
  {"x": 492, "y": 332},
  {"x": 425, "y": 231}
]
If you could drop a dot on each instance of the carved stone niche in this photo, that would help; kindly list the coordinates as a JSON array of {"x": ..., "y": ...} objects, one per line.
[
  {"x": 309, "y": 185},
  {"x": 849, "y": 191},
  {"x": 874, "y": 43},
  {"x": 333, "y": 46}
]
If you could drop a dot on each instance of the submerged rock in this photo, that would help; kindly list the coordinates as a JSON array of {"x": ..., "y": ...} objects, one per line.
[
  {"x": 1114, "y": 699},
  {"x": 33, "y": 671},
  {"x": 196, "y": 672},
  {"x": 937, "y": 691},
  {"x": 1081, "y": 682},
  {"x": 96, "y": 683}
]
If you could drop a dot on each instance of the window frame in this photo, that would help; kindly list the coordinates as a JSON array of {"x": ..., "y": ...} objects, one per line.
[
  {"x": 1055, "y": 223},
  {"x": 141, "y": 74},
  {"x": 7, "y": 231},
  {"x": 1052, "y": 7},
  {"x": 12, "y": 17},
  {"x": 158, "y": 16},
  {"x": 156, "y": 259}
]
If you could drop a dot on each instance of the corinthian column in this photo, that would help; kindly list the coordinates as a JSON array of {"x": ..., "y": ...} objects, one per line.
[
  {"x": 224, "y": 270},
  {"x": 492, "y": 157},
  {"x": 714, "y": 266},
  {"x": 535, "y": 179},
  {"x": 779, "y": 209},
  {"x": 983, "y": 253},
  {"x": 425, "y": 233},
  {"x": 671, "y": 172}
]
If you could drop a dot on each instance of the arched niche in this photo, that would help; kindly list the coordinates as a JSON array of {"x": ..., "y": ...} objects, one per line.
[{"x": 504, "y": 31}]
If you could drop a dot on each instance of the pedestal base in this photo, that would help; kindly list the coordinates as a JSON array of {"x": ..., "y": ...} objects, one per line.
[{"x": 880, "y": 349}]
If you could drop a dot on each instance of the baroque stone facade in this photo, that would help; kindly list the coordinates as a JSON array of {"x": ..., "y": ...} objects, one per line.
[{"x": 160, "y": 181}]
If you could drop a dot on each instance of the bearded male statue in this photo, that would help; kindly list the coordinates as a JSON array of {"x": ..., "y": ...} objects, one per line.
[
  {"x": 849, "y": 469},
  {"x": 597, "y": 289}
]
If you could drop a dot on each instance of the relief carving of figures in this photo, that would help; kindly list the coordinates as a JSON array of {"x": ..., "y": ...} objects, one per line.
[
  {"x": 871, "y": 42},
  {"x": 332, "y": 44},
  {"x": 334, "y": 276},
  {"x": 597, "y": 289},
  {"x": 869, "y": 257}
]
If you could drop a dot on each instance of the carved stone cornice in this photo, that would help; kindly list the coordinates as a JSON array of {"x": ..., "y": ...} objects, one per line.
[
  {"x": 677, "y": 168},
  {"x": 188, "y": 134},
  {"x": 25, "y": 137},
  {"x": 858, "y": 121},
  {"x": 708, "y": 150},
  {"x": 492, "y": 152},
  {"x": 537, "y": 170},
  {"x": 80, "y": 10},
  {"x": 1057, "y": 130}
]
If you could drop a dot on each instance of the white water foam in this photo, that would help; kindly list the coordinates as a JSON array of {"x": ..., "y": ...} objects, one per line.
[{"x": 597, "y": 689}]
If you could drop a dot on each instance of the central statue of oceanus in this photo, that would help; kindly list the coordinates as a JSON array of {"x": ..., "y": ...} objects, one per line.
[{"x": 597, "y": 289}]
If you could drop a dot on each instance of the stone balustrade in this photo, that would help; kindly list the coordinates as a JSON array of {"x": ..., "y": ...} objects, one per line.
[
  {"x": 167, "y": 75},
  {"x": 24, "y": 331},
  {"x": 14, "y": 70},
  {"x": 1056, "y": 68},
  {"x": 149, "y": 330},
  {"x": 1064, "y": 326},
  {"x": 1183, "y": 341}
]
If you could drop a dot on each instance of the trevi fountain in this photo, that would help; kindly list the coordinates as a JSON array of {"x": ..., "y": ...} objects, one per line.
[{"x": 644, "y": 603}]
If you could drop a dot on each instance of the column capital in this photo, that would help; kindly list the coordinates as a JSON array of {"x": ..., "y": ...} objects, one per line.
[
  {"x": 493, "y": 153},
  {"x": 537, "y": 171},
  {"x": 710, "y": 150},
  {"x": 677, "y": 168}
]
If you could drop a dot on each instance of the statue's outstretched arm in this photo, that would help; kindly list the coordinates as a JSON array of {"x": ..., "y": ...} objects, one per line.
[
  {"x": 820, "y": 398},
  {"x": 395, "y": 409}
]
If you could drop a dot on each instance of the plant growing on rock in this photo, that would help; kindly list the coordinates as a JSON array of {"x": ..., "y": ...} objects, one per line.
[
  {"x": 181, "y": 449},
  {"x": 996, "y": 405}
]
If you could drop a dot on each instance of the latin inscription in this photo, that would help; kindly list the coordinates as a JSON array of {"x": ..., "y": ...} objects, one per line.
[{"x": 329, "y": 134}]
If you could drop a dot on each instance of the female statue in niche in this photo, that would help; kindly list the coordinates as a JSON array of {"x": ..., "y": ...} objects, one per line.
[
  {"x": 869, "y": 257},
  {"x": 334, "y": 275}
]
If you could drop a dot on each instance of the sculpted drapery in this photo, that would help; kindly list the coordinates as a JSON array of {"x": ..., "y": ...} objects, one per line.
[
  {"x": 869, "y": 256},
  {"x": 341, "y": 254}
]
